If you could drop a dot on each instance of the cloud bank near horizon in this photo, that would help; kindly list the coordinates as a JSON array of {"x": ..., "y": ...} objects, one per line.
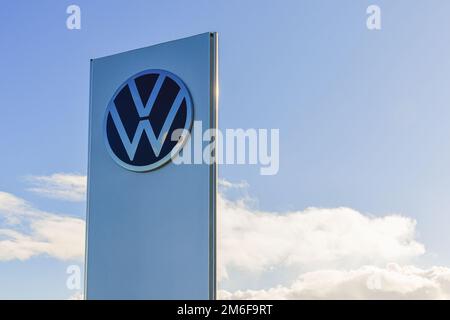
[
  {"x": 328, "y": 253},
  {"x": 257, "y": 241},
  {"x": 61, "y": 186},
  {"x": 367, "y": 282},
  {"x": 332, "y": 253},
  {"x": 26, "y": 232}
]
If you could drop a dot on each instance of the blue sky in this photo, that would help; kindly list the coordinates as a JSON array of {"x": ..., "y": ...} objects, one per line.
[{"x": 363, "y": 115}]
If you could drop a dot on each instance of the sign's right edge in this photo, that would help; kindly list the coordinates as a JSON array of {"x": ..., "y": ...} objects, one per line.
[{"x": 213, "y": 173}]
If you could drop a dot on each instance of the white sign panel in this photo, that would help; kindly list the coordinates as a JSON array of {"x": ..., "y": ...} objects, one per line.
[{"x": 151, "y": 222}]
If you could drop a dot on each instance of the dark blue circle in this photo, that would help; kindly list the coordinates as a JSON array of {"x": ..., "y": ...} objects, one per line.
[{"x": 127, "y": 116}]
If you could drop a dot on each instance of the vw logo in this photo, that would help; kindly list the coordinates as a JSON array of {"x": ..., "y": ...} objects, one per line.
[{"x": 141, "y": 117}]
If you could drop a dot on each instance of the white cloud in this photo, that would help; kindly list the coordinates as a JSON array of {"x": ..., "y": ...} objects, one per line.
[
  {"x": 77, "y": 296},
  {"x": 12, "y": 203},
  {"x": 12, "y": 208},
  {"x": 63, "y": 186},
  {"x": 321, "y": 253},
  {"x": 336, "y": 253},
  {"x": 225, "y": 184},
  {"x": 28, "y": 232},
  {"x": 257, "y": 241},
  {"x": 368, "y": 282}
]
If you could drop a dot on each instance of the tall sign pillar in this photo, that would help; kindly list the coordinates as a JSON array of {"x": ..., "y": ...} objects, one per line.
[{"x": 151, "y": 223}]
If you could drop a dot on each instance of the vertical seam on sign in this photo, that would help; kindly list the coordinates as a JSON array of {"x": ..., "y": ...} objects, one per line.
[
  {"x": 216, "y": 168},
  {"x": 88, "y": 183},
  {"x": 213, "y": 169}
]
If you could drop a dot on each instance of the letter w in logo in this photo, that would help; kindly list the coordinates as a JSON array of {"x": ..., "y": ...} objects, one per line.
[{"x": 144, "y": 125}]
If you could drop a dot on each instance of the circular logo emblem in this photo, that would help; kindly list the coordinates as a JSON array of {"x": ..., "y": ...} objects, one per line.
[{"x": 143, "y": 115}]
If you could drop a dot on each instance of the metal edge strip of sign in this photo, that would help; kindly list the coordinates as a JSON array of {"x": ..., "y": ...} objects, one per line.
[{"x": 213, "y": 172}]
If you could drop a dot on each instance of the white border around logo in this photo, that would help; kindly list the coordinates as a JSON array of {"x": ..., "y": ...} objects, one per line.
[{"x": 182, "y": 139}]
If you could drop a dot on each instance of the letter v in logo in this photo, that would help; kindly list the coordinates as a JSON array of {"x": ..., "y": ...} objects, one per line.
[{"x": 141, "y": 117}]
